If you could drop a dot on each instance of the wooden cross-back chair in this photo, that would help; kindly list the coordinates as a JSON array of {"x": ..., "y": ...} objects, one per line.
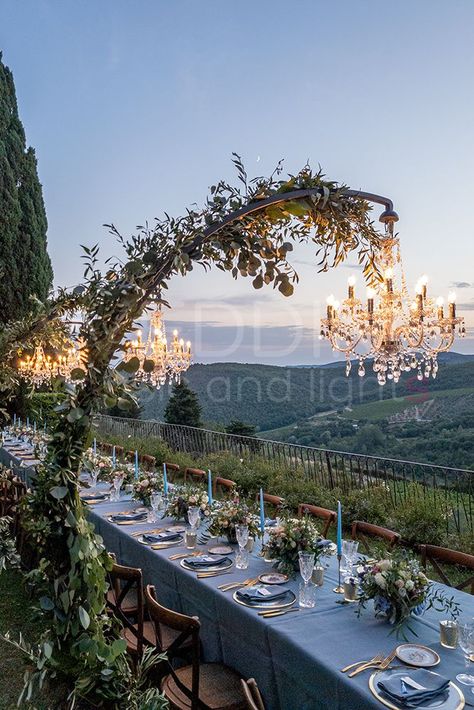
[
  {"x": 328, "y": 516},
  {"x": 119, "y": 452},
  {"x": 223, "y": 486},
  {"x": 106, "y": 447},
  {"x": 172, "y": 471},
  {"x": 276, "y": 502},
  {"x": 148, "y": 462},
  {"x": 125, "y": 601},
  {"x": 252, "y": 694},
  {"x": 198, "y": 686},
  {"x": 130, "y": 456},
  {"x": 194, "y": 475},
  {"x": 361, "y": 531},
  {"x": 438, "y": 556}
]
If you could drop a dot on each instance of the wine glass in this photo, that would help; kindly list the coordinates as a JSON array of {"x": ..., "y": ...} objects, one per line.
[
  {"x": 194, "y": 516},
  {"x": 466, "y": 643},
  {"x": 94, "y": 476},
  {"x": 349, "y": 553},
  {"x": 306, "y": 560},
  {"x": 242, "y": 535},
  {"x": 118, "y": 480},
  {"x": 155, "y": 503}
]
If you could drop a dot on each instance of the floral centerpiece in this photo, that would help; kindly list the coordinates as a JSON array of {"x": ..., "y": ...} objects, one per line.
[
  {"x": 126, "y": 470},
  {"x": 229, "y": 513},
  {"x": 98, "y": 462},
  {"x": 294, "y": 535},
  {"x": 400, "y": 589},
  {"x": 184, "y": 497},
  {"x": 146, "y": 485}
]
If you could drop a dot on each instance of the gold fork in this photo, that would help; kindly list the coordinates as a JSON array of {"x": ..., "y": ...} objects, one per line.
[
  {"x": 233, "y": 585},
  {"x": 380, "y": 666},
  {"x": 206, "y": 575},
  {"x": 376, "y": 659},
  {"x": 181, "y": 555}
]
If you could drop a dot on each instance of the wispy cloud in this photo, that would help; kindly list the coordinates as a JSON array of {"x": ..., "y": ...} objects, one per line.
[
  {"x": 469, "y": 306},
  {"x": 462, "y": 284}
]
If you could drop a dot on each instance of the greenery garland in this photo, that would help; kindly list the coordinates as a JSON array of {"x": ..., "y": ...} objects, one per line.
[{"x": 82, "y": 641}]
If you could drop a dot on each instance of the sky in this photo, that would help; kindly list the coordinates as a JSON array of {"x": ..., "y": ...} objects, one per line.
[{"x": 134, "y": 108}]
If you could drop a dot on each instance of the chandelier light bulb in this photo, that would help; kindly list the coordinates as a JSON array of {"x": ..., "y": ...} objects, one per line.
[
  {"x": 451, "y": 297},
  {"x": 351, "y": 280},
  {"x": 330, "y": 300},
  {"x": 370, "y": 292},
  {"x": 440, "y": 301}
]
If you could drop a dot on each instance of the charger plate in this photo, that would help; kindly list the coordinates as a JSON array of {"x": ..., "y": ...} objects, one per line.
[
  {"x": 209, "y": 568},
  {"x": 283, "y": 603},
  {"x": 453, "y": 701},
  {"x": 164, "y": 543},
  {"x": 414, "y": 654}
]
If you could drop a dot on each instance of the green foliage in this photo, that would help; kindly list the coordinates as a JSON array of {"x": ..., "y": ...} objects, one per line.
[
  {"x": 238, "y": 427},
  {"x": 8, "y": 555},
  {"x": 421, "y": 517},
  {"x": 183, "y": 406},
  {"x": 24, "y": 262},
  {"x": 42, "y": 407}
]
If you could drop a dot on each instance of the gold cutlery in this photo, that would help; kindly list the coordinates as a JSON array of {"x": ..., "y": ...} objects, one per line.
[
  {"x": 233, "y": 585},
  {"x": 205, "y": 575},
  {"x": 163, "y": 545},
  {"x": 380, "y": 666},
  {"x": 182, "y": 555},
  {"x": 376, "y": 659},
  {"x": 137, "y": 533},
  {"x": 276, "y": 612},
  {"x": 131, "y": 522}
]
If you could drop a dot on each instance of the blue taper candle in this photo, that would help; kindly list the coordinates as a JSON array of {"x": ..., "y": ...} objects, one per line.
[
  {"x": 209, "y": 486},
  {"x": 27, "y": 422},
  {"x": 136, "y": 463},
  {"x": 262, "y": 513},
  {"x": 113, "y": 456},
  {"x": 339, "y": 528},
  {"x": 14, "y": 420},
  {"x": 94, "y": 446},
  {"x": 165, "y": 480}
]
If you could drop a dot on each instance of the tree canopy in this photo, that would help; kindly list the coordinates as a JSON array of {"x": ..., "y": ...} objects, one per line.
[
  {"x": 25, "y": 267},
  {"x": 183, "y": 406}
]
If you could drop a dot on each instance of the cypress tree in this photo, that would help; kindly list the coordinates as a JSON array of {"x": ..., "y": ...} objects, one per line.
[
  {"x": 183, "y": 406},
  {"x": 25, "y": 267}
]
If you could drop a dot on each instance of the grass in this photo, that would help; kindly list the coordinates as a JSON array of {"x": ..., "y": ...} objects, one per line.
[
  {"x": 17, "y": 615},
  {"x": 380, "y": 409}
]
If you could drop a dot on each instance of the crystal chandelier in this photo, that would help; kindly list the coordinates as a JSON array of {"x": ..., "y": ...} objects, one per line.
[
  {"x": 397, "y": 332},
  {"x": 158, "y": 362},
  {"x": 40, "y": 368}
]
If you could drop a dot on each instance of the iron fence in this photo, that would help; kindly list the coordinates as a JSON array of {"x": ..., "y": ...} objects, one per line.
[{"x": 450, "y": 489}]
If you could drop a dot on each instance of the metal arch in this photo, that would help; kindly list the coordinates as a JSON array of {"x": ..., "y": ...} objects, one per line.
[{"x": 388, "y": 215}]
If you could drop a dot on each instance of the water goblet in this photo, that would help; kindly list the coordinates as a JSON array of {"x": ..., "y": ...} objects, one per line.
[
  {"x": 94, "y": 476},
  {"x": 306, "y": 561},
  {"x": 242, "y": 534},
  {"x": 466, "y": 643},
  {"x": 117, "y": 483},
  {"x": 155, "y": 503},
  {"x": 349, "y": 553},
  {"x": 194, "y": 516}
]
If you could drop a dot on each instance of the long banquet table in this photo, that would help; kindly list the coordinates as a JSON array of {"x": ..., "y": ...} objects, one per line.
[{"x": 296, "y": 659}]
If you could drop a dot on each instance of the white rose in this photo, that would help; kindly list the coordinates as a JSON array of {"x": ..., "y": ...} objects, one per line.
[
  {"x": 380, "y": 580},
  {"x": 400, "y": 583},
  {"x": 385, "y": 565},
  {"x": 409, "y": 585}
]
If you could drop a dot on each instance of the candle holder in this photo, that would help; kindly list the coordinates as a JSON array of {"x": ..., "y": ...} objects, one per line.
[{"x": 339, "y": 589}]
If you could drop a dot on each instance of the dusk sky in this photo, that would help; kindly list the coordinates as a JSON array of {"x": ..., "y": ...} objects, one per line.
[{"x": 134, "y": 108}]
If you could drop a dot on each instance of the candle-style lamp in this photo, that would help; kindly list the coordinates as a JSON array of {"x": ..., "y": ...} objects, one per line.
[
  {"x": 350, "y": 287},
  {"x": 370, "y": 303},
  {"x": 452, "y": 305},
  {"x": 440, "y": 304},
  {"x": 389, "y": 279}
]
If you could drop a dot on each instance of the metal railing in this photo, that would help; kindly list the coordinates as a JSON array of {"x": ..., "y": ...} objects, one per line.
[{"x": 451, "y": 489}]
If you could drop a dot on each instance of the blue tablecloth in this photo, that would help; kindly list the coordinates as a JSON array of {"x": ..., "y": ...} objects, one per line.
[
  {"x": 296, "y": 659},
  {"x": 24, "y": 467}
]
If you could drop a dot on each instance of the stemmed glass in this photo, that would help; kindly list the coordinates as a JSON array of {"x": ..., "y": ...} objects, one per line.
[
  {"x": 94, "y": 476},
  {"x": 466, "y": 642},
  {"x": 117, "y": 482},
  {"x": 306, "y": 560},
  {"x": 349, "y": 553},
  {"x": 242, "y": 535},
  {"x": 155, "y": 503},
  {"x": 194, "y": 516}
]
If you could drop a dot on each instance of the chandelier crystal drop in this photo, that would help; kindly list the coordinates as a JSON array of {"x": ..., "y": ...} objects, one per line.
[
  {"x": 397, "y": 332},
  {"x": 159, "y": 363}
]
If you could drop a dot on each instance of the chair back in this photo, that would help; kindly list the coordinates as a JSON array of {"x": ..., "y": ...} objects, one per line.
[
  {"x": 106, "y": 447},
  {"x": 328, "y": 516},
  {"x": 130, "y": 456},
  {"x": 148, "y": 462},
  {"x": 195, "y": 475},
  {"x": 362, "y": 530},
  {"x": 122, "y": 581},
  {"x": 443, "y": 555},
  {"x": 275, "y": 501},
  {"x": 252, "y": 694},
  {"x": 187, "y": 628},
  {"x": 119, "y": 452},
  {"x": 223, "y": 486},
  {"x": 172, "y": 470}
]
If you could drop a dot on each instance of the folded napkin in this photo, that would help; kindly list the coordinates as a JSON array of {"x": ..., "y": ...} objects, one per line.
[
  {"x": 206, "y": 561},
  {"x": 426, "y": 686},
  {"x": 96, "y": 496},
  {"x": 161, "y": 537},
  {"x": 122, "y": 517},
  {"x": 261, "y": 594},
  {"x": 321, "y": 544},
  {"x": 270, "y": 523}
]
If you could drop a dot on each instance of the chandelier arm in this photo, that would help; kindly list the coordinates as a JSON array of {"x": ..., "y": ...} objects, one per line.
[{"x": 350, "y": 348}]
